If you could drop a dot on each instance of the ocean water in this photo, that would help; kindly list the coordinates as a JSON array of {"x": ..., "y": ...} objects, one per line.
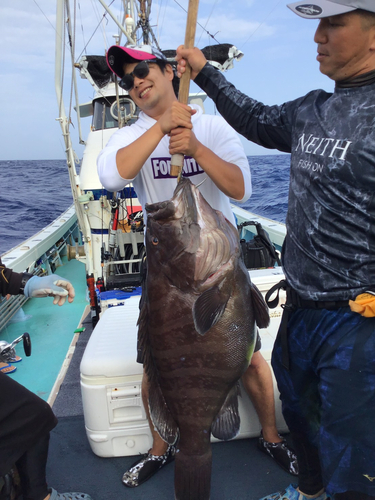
[{"x": 34, "y": 193}]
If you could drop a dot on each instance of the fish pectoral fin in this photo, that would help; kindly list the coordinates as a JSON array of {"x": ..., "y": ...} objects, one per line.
[
  {"x": 160, "y": 415},
  {"x": 262, "y": 316},
  {"x": 227, "y": 422},
  {"x": 208, "y": 309}
]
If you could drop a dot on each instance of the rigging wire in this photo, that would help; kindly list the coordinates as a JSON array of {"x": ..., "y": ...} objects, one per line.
[
  {"x": 36, "y": 3},
  {"x": 163, "y": 17},
  {"x": 72, "y": 48},
  {"x": 95, "y": 9},
  {"x": 209, "y": 17},
  {"x": 203, "y": 28},
  {"x": 262, "y": 22},
  {"x": 80, "y": 16},
  {"x": 104, "y": 17},
  {"x": 214, "y": 36},
  {"x": 63, "y": 65}
]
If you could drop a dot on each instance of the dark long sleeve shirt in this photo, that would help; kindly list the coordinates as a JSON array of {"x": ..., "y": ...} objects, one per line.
[
  {"x": 329, "y": 250},
  {"x": 10, "y": 282}
]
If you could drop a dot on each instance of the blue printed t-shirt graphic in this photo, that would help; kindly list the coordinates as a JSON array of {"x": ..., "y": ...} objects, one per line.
[{"x": 161, "y": 167}]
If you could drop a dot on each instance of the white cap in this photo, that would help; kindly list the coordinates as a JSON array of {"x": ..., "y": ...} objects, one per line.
[{"x": 325, "y": 8}]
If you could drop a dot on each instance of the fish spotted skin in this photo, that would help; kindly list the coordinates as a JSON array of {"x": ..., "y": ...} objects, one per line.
[{"x": 197, "y": 330}]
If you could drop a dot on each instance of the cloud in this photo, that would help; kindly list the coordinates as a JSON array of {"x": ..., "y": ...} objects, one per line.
[
  {"x": 275, "y": 42},
  {"x": 232, "y": 29}
]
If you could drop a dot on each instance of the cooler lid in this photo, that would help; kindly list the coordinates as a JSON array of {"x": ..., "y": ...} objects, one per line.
[{"x": 112, "y": 348}]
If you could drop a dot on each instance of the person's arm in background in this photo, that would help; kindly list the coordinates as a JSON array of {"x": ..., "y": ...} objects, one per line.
[{"x": 12, "y": 283}]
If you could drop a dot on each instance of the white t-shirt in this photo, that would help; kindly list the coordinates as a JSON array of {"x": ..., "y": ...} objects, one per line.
[{"x": 154, "y": 184}]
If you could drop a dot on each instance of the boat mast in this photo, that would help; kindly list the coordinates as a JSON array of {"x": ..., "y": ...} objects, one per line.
[
  {"x": 144, "y": 22},
  {"x": 78, "y": 196}
]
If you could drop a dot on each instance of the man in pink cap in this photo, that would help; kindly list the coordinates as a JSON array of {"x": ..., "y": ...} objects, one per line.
[
  {"x": 324, "y": 355},
  {"x": 141, "y": 154}
]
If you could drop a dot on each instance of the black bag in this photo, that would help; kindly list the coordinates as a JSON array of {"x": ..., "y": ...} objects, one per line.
[{"x": 259, "y": 252}]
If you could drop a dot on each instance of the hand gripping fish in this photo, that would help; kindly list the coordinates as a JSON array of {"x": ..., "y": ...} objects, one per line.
[{"x": 197, "y": 330}]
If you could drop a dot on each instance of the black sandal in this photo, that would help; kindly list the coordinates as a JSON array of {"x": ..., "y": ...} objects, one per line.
[
  {"x": 146, "y": 466},
  {"x": 281, "y": 452}
]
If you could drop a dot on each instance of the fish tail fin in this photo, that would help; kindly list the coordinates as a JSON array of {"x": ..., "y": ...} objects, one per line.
[
  {"x": 261, "y": 313},
  {"x": 192, "y": 477}
]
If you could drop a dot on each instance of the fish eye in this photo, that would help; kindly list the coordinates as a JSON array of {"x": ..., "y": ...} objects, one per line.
[{"x": 155, "y": 240}]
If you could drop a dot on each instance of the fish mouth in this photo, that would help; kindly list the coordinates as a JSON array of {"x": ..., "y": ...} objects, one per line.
[{"x": 161, "y": 210}]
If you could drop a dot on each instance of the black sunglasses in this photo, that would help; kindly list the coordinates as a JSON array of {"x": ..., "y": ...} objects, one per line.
[{"x": 140, "y": 71}]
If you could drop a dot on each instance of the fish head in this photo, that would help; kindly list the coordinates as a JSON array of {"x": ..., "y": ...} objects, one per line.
[{"x": 187, "y": 240}]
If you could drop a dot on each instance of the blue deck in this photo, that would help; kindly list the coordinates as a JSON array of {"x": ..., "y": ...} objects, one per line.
[
  {"x": 51, "y": 329},
  {"x": 239, "y": 470}
]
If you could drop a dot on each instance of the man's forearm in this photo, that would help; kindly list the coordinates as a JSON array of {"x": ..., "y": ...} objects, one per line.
[
  {"x": 227, "y": 176},
  {"x": 130, "y": 159}
]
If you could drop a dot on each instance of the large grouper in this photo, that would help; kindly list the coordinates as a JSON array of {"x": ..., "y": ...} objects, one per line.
[{"x": 197, "y": 329}]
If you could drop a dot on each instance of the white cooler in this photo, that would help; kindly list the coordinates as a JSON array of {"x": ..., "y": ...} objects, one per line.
[{"x": 115, "y": 418}]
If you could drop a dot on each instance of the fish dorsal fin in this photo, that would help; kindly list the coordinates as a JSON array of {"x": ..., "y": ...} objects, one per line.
[
  {"x": 208, "y": 309},
  {"x": 261, "y": 313},
  {"x": 160, "y": 414},
  {"x": 227, "y": 422}
]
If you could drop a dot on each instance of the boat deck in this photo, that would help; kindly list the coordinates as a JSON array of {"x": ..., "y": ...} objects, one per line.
[
  {"x": 240, "y": 471},
  {"x": 51, "y": 329}
]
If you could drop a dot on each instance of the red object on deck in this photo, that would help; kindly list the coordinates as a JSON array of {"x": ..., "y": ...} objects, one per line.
[
  {"x": 115, "y": 220},
  {"x": 91, "y": 286}
]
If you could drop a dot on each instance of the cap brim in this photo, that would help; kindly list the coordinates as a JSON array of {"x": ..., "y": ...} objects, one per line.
[
  {"x": 319, "y": 9},
  {"x": 117, "y": 56}
]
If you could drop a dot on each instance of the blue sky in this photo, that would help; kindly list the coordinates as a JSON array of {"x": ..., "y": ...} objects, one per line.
[{"x": 279, "y": 62}]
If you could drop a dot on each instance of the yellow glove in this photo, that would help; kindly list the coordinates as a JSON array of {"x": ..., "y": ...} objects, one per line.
[{"x": 364, "y": 304}]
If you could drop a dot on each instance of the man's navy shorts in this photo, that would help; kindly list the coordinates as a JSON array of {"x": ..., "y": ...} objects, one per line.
[{"x": 329, "y": 392}]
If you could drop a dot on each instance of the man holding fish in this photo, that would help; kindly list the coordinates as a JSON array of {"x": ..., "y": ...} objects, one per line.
[
  {"x": 141, "y": 154},
  {"x": 324, "y": 354}
]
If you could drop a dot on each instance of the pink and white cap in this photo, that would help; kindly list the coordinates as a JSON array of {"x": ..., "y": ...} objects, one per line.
[{"x": 117, "y": 56}]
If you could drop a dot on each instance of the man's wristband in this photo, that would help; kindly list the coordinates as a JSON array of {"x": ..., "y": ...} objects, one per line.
[{"x": 25, "y": 279}]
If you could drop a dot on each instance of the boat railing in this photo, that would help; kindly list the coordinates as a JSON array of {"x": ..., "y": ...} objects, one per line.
[
  {"x": 8, "y": 308},
  {"x": 276, "y": 230},
  {"x": 40, "y": 254}
]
